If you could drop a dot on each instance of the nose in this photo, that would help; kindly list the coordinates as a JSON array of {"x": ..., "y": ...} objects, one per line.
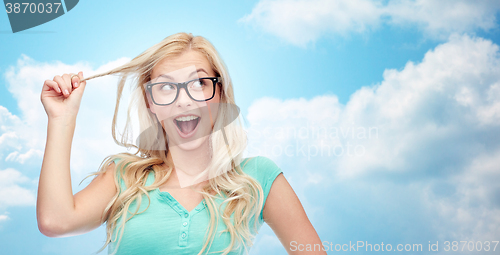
[{"x": 183, "y": 99}]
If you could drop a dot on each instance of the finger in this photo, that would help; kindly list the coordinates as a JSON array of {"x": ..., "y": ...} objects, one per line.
[
  {"x": 75, "y": 81},
  {"x": 67, "y": 82},
  {"x": 62, "y": 84},
  {"x": 82, "y": 84},
  {"x": 58, "y": 79},
  {"x": 80, "y": 75},
  {"x": 52, "y": 85}
]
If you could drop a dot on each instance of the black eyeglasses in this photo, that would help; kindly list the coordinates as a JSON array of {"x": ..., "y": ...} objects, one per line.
[{"x": 200, "y": 89}]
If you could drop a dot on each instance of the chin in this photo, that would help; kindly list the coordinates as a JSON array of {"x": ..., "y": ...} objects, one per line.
[{"x": 192, "y": 145}]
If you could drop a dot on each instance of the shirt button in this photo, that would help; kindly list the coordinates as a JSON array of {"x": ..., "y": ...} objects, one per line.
[
  {"x": 184, "y": 224},
  {"x": 186, "y": 215},
  {"x": 183, "y": 235}
]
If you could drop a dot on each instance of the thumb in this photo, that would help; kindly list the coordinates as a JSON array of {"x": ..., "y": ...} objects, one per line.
[{"x": 81, "y": 85}]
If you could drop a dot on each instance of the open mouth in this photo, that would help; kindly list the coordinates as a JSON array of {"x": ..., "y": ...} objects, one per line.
[{"x": 187, "y": 124}]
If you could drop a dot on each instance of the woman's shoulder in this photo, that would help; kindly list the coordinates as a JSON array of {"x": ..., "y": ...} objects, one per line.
[
  {"x": 264, "y": 171},
  {"x": 261, "y": 168},
  {"x": 260, "y": 161}
]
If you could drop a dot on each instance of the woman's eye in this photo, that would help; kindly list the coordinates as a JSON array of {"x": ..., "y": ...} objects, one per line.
[
  {"x": 197, "y": 84},
  {"x": 167, "y": 87}
]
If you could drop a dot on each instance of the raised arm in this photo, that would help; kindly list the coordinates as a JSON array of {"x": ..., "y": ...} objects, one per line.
[
  {"x": 284, "y": 213},
  {"x": 59, "y": 212}
]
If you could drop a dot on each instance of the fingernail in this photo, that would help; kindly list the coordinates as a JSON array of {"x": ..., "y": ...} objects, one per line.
[
  {"x": 66, "y": 92},
  {"x": 58, "y": 90},
  {"x": 76, "y": 84}
]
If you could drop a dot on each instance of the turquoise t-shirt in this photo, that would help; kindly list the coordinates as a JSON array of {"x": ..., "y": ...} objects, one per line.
[{"x": 167, "y": 228}]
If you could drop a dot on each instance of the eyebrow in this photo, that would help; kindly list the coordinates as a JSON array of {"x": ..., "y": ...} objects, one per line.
[{"x": 170, "y": 77}]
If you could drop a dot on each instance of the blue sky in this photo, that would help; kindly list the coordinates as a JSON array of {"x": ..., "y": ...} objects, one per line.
[{"x": 424, "y": 75}]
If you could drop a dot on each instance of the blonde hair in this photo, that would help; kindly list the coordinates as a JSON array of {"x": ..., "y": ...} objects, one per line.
[{"x": 243, "y": 194}]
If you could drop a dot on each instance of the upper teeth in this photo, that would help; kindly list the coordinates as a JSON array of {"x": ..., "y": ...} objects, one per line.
[{"x": 186, "y": 118}]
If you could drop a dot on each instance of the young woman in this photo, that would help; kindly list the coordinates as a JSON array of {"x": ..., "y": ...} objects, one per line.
[{"x": 187, "y": 189}]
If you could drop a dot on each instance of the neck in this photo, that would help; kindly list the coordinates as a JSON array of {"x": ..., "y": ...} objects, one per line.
[{"x": 190, "y": 165}]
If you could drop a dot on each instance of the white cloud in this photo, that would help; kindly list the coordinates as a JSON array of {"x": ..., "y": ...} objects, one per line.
[
  {"x": 423, "y": 107},
  {"x": 21, "y": 158},
  {"x": 441, "y": 18},
  {"x": 303, "y": 21},
  {"x": 300, "y": 22},
  {"x": 4, "y": 217},
  {"x": 476, "y": 203},
  {"x": 9, "y": 139},
  {"x": 11, "y": 191},
  {"x": 432, "y": 125}
]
